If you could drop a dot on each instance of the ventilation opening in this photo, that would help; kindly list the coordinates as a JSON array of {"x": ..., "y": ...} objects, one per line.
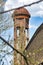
[{"x": 41, "y": 63}]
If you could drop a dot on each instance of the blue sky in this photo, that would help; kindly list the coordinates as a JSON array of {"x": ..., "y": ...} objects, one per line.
[
  {"x": 36, "y": 12},
  {"x": 35, "y": 22}
]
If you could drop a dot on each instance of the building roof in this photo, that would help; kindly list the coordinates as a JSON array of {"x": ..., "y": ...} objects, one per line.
[
  {"x": 35, "y": 34},
  {"x": 21, "y": 11}
]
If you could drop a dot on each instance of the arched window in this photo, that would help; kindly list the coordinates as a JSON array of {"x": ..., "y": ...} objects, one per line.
[
  {"x": 26, "y": 32},
  {"x": 18, "y": 31}
]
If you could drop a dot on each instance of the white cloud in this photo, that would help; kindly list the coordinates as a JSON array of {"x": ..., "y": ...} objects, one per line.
[
  {"x": 26, "y": 1},
  {"x": 41, "y": 7},
  {"x": 34, "y": 9},
  {"x": 32, "y": 26},
  {"x": 40, "y": 13},
  {"x": 10, "y": 4}
]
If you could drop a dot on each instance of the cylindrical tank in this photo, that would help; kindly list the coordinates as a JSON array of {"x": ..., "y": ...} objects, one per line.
[
  {"x": 21, "y": 19},
  {"x": 21, "y": 31}
]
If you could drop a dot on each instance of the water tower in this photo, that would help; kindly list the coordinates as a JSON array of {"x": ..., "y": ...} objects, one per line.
[{"x": 21, "y": 30}]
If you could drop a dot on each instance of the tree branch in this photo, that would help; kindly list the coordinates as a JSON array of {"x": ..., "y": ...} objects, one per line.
[
  {"x": 15, "y": 50},
  {"x": 21, "y": 6}
]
